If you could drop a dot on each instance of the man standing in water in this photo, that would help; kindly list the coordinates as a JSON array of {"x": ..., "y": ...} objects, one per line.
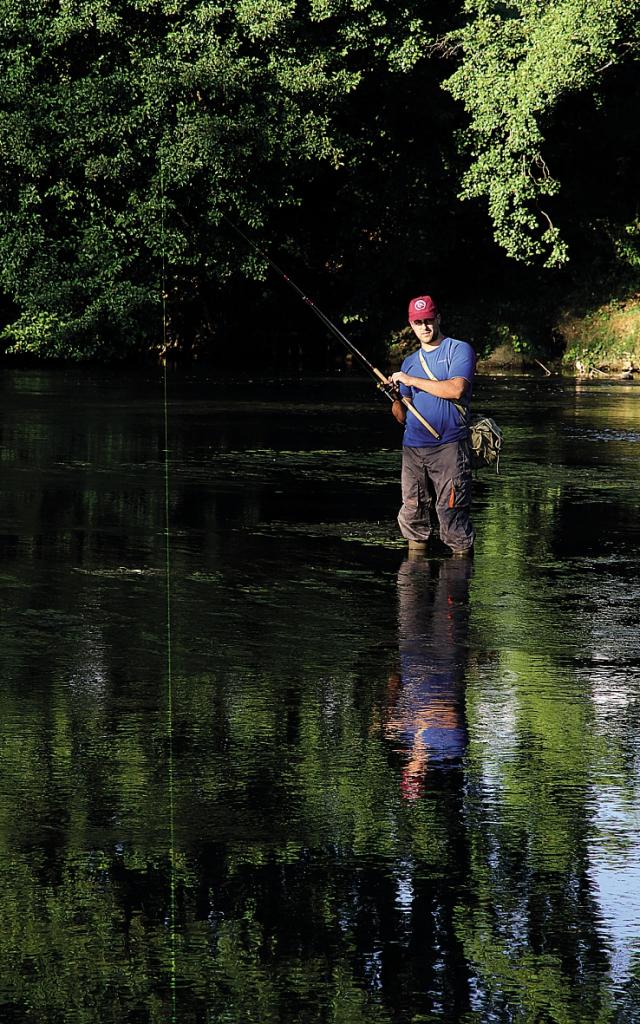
[{"x": 438, "y": 378}]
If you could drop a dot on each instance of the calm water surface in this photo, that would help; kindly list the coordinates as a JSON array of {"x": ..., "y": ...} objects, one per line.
[{"x": 333, "y": 784}]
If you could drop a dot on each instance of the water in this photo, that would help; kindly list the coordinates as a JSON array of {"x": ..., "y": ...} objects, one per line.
[{"x": 346, "y": 786}]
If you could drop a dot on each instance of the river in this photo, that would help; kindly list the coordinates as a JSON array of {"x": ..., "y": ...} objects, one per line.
[{"x": 262, "y": 766}]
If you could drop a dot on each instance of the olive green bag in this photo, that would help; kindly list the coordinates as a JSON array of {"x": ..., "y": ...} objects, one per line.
[{"x": 485, "y": 441}]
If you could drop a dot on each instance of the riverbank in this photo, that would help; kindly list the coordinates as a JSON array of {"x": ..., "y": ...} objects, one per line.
[
  {"x": 604, "y": 341},
  {"x": 601, "y": 343}
]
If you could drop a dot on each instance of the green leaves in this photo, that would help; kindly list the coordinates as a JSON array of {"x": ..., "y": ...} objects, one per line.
[
  {"x": 234, "y": 101},
  {"x": 518, "y": 64},
  {"x": 127, "y": 129}
]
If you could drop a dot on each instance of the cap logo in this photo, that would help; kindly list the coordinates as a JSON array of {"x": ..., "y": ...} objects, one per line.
[{"x": 420, "y": 304}]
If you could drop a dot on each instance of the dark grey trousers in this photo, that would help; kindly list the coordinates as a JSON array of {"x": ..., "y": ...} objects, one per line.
[{"x": 437, "y": 477}]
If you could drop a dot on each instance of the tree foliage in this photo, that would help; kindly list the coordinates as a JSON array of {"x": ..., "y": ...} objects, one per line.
[
  {"x": 519, "y": 61},
  {"x": 128, "y": 128}
]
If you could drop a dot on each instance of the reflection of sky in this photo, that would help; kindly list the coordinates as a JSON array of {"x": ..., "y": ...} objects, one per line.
[
  {"x": 405, "y": 889},
  {"x": 614, "y": 855},
  {"x": 494, "y": 730}
]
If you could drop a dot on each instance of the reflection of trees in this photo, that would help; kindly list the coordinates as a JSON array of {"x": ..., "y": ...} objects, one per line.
[
  {"x": 531, "y": 932},
  {"x": 310, "y": 889},
  {"x": 313, "y": 882},
  {"x": 76, "y": 945},
  {"x": 314, "y": 885},
  {"x": 336, "y": 867}
]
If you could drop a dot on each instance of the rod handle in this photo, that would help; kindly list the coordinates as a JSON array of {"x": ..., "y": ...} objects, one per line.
[{"x": 411, "y": 407}]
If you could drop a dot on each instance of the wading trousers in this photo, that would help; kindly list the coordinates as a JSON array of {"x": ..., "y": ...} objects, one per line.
[{"x": 438, "y": 476}]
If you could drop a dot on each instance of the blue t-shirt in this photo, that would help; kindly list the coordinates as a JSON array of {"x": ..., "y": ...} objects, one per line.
[{"x": 451, "y": 358}]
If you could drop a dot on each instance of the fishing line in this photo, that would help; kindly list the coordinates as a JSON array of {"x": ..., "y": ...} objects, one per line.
[{"x": 169, "y": 718}]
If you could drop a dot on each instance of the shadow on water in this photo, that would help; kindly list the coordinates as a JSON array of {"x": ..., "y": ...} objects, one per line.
[{"x": 397, "y": 790}]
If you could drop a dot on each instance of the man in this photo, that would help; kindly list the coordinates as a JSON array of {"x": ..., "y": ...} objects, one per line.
[{"x": 438, "y": 378}]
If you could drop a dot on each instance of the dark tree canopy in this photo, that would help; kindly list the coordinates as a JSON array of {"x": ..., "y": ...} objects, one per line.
[{"x": 345, "y": 132}]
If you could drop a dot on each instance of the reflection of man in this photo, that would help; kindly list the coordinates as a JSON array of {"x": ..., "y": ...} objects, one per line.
[{"x": 425, "y": 711}]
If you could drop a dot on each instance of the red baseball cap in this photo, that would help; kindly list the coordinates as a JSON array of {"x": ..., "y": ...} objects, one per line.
[{"x": 422, "y": 308}]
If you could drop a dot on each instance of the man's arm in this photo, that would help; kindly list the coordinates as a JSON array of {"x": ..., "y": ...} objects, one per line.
[{"x": 453, "y": 389}]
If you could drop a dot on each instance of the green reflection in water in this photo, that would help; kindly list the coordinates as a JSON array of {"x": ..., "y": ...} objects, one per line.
[{"x": 389, "y": 785}]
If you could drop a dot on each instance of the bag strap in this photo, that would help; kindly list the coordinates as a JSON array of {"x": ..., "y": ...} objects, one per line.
[
  {"x": 461, "y": 409},
  {"x": 425, "y": 423}
]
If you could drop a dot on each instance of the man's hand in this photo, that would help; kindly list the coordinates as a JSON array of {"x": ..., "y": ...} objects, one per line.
[
  {"x": 452, "y": 389},
  {"x": 400, "y": 378}
]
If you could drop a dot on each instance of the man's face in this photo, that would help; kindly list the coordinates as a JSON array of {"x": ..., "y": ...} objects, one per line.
[{"x": 427, "y": 331}]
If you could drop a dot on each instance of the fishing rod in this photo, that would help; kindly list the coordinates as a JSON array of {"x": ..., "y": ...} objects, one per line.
[{"x": 390, "y": 390}]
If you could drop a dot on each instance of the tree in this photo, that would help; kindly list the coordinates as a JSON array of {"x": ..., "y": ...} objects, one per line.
[
  {"x": 127, "y": 129},
  {"x": 519, "y": 61}
]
